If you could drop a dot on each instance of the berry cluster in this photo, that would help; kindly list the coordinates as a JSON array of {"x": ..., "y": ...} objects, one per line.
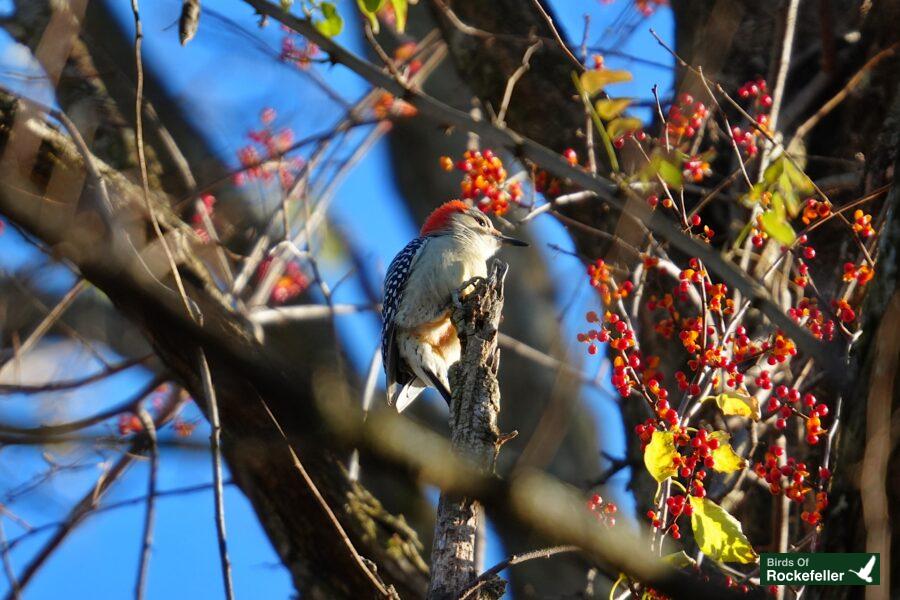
[
  {"x": 637, "y": 134},
  {"x": 814, "y": 209},
  {"x": 787, "y": 403},
  {"x": 264, "y": 158},
  {"x": 747, "y": 138},
  {"x": 297, "y": 51},
  {"x": 604, "y": 511},
  {"x": 405, "y": 54},
  {"x": 184, "y": 428},
  {"x": 601, "y": 278},
  {"x": 685, "y": 118},
  {"x": 863, "y": 273},
  {"x": 204, "y": 211},
  {"x": 862, "y": 224},
  {"x": 388, "y": 106},
  {"x": 843, "y": 310},
  {"x": 129, "y": 423},
  {"x": 290, "y": 284},
  {"x": 695, "y": 169},
  {"x": 790, "y": 477},
  {"x": 814, "y": 319},
  {"x": 485, "y": 181}
]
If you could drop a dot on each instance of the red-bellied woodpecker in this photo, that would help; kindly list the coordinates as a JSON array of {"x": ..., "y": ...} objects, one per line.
[{"x": 418, "y": 340}]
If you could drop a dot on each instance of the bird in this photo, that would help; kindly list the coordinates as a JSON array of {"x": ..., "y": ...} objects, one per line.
[
  {"x": 418, "y": 339},
  {"x": 866, "y": 572}
]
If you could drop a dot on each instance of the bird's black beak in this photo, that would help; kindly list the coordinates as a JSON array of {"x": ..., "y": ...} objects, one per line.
[{"x": 512, "y": 241}]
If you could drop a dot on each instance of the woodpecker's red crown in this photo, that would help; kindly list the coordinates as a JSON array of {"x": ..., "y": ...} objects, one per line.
[{"x": 440, "y": 218}]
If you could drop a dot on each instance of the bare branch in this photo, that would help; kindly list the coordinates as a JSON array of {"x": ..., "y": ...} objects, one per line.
[
  {"x": 150, "y": 515},
  {"x": 214, "y": 440}
]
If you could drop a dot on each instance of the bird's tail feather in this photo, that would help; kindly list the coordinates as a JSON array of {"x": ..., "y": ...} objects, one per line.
[
  {"x": 409, "y": 392},
  {"x": 439, "y": 386}
]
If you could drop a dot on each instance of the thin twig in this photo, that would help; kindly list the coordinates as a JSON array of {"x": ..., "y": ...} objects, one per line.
[
  {"x": 142, "y": 159},
  {"x": 515, "y": 559},
  {"x": 514, "y": 78},
  {"x": 781, "y": 71},
  {"x": 387, "y": 60},
  {"x": 149, "y": 517},
  {"x": 306, "y": 312},
  {"x": 329, "y": 513},
  {"x": 562, "y": 44},
  {"x": 209, "y": 393},
  {"x": 68, "y": 384},
  {"x": 62, "y": 428},
  {"x": 7, "y": 564},
  {"x": 851, "y": 85},
  {"x": 179, "y": 491},
  {"x": 52, "y": 317}
]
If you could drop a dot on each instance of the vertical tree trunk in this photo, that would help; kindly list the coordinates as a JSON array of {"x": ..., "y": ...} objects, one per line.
[{"x": 473, "y": 431}]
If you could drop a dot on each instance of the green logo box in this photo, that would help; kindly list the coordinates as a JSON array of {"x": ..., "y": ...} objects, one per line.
[{"x": 803, "y": 568}]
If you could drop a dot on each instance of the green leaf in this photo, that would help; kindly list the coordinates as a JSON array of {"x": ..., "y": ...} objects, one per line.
[
  {"x": 773, "y": 172},
  {"x": 670, "y": 173},
  {"x": 718, "y": 534},
  {"x": 286, "y": 5},
  {"x": 401, "y": 7},
  {"x": 777, "y": 205},
  {"x": 800, "y": 180},
  {"x": 777, "y": 228},
  {"x": 783, "y": 177},
  {"x": 331, "y": 23},
  {"x": 742, "y": 235},
  {"x": 659, "y": 455},
  {"x": 368, "y": 8},
  {"x": 622, "y": 125},
  {"x": 734, "y": 403},
  {"x": 725, "y": 459},
  {"x": 595, "y": 80},
  {"x": 754, "y": 195},
  {"x": 610, "y": 108}
]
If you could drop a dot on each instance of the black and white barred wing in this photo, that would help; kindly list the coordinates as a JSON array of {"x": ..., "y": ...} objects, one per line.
[{"x": 400, "y": 382}]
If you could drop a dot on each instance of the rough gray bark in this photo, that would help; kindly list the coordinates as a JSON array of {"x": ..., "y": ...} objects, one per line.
[{"x": 473, "y": 433}]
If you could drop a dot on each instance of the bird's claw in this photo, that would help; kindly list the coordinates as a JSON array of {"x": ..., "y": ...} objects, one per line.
[{"x": 464, "y": 290}]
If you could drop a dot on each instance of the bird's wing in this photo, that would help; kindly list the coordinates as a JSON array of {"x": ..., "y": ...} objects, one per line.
[
  {"x": 394, "y": 285},
  {"x": 867, "y": 570}
]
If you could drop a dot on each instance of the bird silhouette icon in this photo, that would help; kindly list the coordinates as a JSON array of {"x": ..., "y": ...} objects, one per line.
[{"x": 866, "y": 572}]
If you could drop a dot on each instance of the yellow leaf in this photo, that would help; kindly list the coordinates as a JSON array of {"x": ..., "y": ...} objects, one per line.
[
  {"x": 401, "y": 9},
  {"x": 659, "y": 455},
  {"x": 734, "y": 403},
  {"x": 594, "y": 81},
  {"x": 777, "y": 228},
  {"x": 610, "y": 108},
  {"x": 621, "y": 126},
  {"x": 718, "y": 534},
  {"x": 725, "y": 459}
]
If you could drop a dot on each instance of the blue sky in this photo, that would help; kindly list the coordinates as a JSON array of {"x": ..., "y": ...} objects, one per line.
[{"x": 226, "y": 81}]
